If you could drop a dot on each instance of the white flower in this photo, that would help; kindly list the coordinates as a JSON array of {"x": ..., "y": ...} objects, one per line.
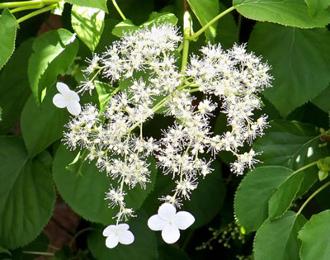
[
  {"x": 169, "y": 222},
  {"x": 118, "y": 234},
  {"x": 67, "y": 98}
]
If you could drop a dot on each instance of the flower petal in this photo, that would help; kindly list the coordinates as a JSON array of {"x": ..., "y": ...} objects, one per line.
[
  {"x": 183, "y": 219},
  {"x": 166, "y": 211},
  {"x": 109, "y": 230},
  {"x": 62, "y": 87},
  {"x": 74, "y": 108},
  {"x": 111, "y": 241},
  {"x": 123, "y": 226},
  {"x": 170, "y": 234},
  {"x": 156, "y": 223},
  {"x": 126, "y": 237},
  {"x": 59, "y": 101},
  {"x": 71, "y": 95}
]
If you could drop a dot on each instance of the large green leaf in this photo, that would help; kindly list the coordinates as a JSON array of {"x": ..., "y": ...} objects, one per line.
[
  {"x": 8, "y": 29},
  {"x": 289, "y": 143},
  {"x": 155, "y": 18},
  {"x": 284, "y": 195},
  {"x": 27, "y": 194},
  {"x": 53, "y": 53},
  {"x": 290, "y": 13},
  {"x": 99, "y": 4},
  {"x": 205, "y": 10},
  {"x": 277, "y": 240},
  {"x": 254, "y": 192},
  {"x": 207, "y": 200},
  {"x": 322, "y": 100},
  {"x": 83, "y": 187},
  {"x": 42, "y": 125},
  {"x": 14, "y": 87},
  {"x": 316, "y": 6},
  {"x": 88, "y": 23},
  {"x": 300, "y": 61},
  {"x": 227, "y": 30},
  {"x": 315, "y": 237},
  {"x": 144, "y": 246}
]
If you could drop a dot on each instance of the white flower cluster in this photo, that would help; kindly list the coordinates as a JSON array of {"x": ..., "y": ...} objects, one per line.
[{"x": 145, "y": 62}]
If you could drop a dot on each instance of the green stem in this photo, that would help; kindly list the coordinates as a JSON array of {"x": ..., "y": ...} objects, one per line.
[
  {"x": 206, "y": 26},
  {"x": 185, "y": 53},
  {"x": 24, "y": 8},
  {"x": 187, "y": 28},
  {"x": 312, "y": 196},
  {"x": 118, "y": 10},
  {"x": 35, "y": 13},
  {"x": 305, "y": 167},
  {"x": 38, "y": 253},
  {"x": 26, "y": 3}
]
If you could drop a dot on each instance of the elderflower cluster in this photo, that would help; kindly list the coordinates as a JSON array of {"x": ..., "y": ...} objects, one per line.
[{"x": 143, "y": 66}]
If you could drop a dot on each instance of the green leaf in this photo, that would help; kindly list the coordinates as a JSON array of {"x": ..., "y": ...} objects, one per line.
[
  {"x": 206, "y": 10},
  {"x": 156, "y": 18},
  {"x": 316, "y": 6},
  {"x": 277, "y": 240},
  {"x": 289, "y": 143},
  {"x": 227, "y": 30},
  {"x": 207, "y": 200},
  {"x": 8, "y": 29},
  {"x": 253, "y": 193},
  {"x": 170, "y": 252},
  {"x": 292, "y": 13},
  {"x": 83, "y": 187},
  {"x": 322, "y": 100},
  {"x": 53, "y": 53},
  {"x": 27, "y": 194},
  {"x": 284, "y": 195},
  {"x": 88, "y": 23},
  {"x": 99, "y": 4},
  {"x": 315, "y": 237},
  {"x": 104, "y": 93},
  {"x": 123, "y": 28},
  {"x": 42, "y": 125},
  {"x": 306, "y": 63},
  {"x": 145, "y": 244},
  {"x": 14, "y": 89}
]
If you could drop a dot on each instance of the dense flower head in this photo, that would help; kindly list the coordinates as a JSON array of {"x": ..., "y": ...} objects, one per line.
[{"x": 144, "y": 66}]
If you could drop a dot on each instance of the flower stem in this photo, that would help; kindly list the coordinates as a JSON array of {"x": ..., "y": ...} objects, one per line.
[
  {"x": 26, "y": 3},
  {"x": 206, "y": 26},
  {"x": 305, "y": 167},
  {"x": 35, "y": 13},
  {"x": 119, "y": 10},
  {"x": 312, "y": 196},
  {"x": 186, "y": 35},
  {"x": 24, "y": 8}
]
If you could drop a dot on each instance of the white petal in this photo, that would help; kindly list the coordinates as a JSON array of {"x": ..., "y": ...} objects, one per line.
[
  {"x": 62, "y": 87},
  {"x": 109, "y": 230},
  {"x": 166, "y": 211},
  {"x": 184, "y": 219},
  {"x": 156, "y": 223},
  {"x": 123, "y": 226},
  {"x": 111, "y": 241},
  {"x": 59, "y": 101},
  {"x": 170, "y": 234},
  {"x": 74, "y": 108},
  {"x": 126, "y": 237},
  {"x": 71, "y": 95}
]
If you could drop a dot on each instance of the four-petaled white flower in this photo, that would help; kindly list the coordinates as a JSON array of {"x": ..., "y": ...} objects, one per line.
[
  {"x": 67, "y": 98},
  {"x": 118, "y": 234},
  {"x": 169, "y": 222}
]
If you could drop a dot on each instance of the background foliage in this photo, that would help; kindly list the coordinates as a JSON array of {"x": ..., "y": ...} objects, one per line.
[{"x": 262, "y": 216}]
